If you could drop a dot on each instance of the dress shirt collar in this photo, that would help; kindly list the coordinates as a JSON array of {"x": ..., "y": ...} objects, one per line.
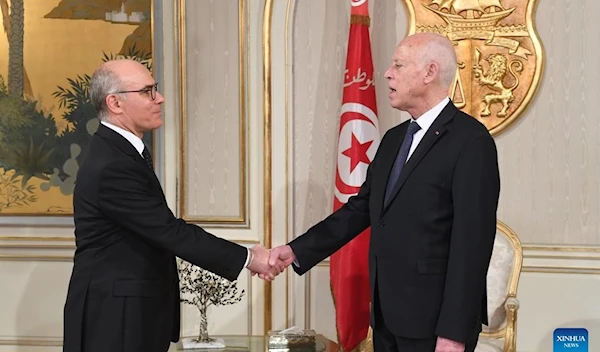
[
  {"x": 137, "y": 143},
  {"x": 426, "y": 120}
]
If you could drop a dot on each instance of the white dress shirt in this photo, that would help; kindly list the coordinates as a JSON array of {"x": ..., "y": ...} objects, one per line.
[
  {"x": 138, "y": 144},
  {"x": 425, "y": 121},
  {"x": 136, "y": 141}
]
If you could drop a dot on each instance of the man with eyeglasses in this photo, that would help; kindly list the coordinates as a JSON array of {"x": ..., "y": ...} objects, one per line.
[{"x": 124, "y": 289}]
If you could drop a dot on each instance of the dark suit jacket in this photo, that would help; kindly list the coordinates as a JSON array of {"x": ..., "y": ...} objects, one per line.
[
  {"x": 431, "y": 245},
  {"x": 123, "y": 294}
]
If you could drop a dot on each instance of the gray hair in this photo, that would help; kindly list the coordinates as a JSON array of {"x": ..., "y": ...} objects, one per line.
[
  {"x": 104, "y": 81},
  {"x": 441, "y": 51}
]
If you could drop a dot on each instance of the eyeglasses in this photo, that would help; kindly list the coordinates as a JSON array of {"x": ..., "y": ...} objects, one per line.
[{"x": 149, "y": 89}]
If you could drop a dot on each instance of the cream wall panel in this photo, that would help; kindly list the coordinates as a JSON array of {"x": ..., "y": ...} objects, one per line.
[
  {"x": 549, "y": 301},
  {"x": 318, "y": 53},
  {"x": 549, "y": 159},
  {"x": 321, "y": 307},
  {"x": 214, "y": 116},
  {"x": 32, "y": 303}
]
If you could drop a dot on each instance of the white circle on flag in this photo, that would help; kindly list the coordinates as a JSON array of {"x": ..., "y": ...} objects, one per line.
[
  {"x": 364, "y": 131},
  {"x": 358, "y": 2}
]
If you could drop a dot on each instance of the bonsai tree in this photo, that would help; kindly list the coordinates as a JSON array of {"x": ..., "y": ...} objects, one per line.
[{"x": 201, "y": 288}]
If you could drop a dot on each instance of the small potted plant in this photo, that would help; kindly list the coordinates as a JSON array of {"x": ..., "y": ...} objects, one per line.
[{"x": 203, "y": 289}]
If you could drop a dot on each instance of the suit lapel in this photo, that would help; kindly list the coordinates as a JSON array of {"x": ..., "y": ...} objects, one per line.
[
  {"x": 433, "y": 134},
  {"x": 127, "y": 148}
]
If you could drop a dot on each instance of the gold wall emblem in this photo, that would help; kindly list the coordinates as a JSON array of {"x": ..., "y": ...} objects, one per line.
[{"x": 499, "y": 54}]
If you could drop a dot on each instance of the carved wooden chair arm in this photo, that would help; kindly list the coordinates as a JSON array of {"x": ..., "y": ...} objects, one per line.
[{"x": 511, "y": 305}]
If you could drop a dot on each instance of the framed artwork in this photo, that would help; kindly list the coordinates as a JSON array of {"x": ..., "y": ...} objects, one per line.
[{"x": 48, "y": 51}]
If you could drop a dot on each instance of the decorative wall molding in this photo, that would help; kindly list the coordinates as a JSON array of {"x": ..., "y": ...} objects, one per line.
[
  {"x": 213, "y": 187},
  {"x": 31, "y": 341}
]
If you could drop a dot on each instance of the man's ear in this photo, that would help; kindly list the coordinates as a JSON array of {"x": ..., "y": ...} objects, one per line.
[
  {"x": 113, "y": 103},
  {"x": 432, "y": 71}
]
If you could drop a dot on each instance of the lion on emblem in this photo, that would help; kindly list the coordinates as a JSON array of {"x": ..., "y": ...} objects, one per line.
[{"x": 497, "y": 71}]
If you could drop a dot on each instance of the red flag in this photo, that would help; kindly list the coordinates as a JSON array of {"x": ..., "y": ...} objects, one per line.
[{"x": 358, "y": 142}]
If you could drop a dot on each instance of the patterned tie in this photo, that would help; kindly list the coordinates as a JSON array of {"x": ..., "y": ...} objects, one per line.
[
  {"x": 148, "y": 158},
  {"x": 401, "y": 159}
]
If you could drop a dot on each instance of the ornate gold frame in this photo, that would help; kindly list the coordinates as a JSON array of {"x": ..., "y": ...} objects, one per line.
[
  {"x": 267, "y": 158},
  {"x": 214, "y": 221}
]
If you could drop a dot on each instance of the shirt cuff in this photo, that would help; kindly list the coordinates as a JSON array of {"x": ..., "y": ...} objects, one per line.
[{"x": 247, "y": 259}]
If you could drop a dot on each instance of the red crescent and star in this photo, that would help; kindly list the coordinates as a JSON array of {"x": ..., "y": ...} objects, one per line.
[{"x": 357, "y": 152}]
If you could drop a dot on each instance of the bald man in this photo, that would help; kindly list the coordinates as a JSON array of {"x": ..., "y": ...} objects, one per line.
[
  {"x": 123, "y": 295},
  {"x": 430, "y": 196}
]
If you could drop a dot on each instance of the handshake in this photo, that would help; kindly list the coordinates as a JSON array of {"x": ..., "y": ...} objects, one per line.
[{"x": 270, "y": 263}]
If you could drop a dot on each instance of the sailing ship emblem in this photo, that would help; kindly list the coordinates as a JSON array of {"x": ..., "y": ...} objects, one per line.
[{"x": 499, "y": 53}]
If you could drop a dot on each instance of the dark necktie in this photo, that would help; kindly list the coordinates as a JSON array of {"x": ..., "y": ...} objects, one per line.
[
  {"x": 148, "y": 158},
  {"x": 413, "y": 127}
]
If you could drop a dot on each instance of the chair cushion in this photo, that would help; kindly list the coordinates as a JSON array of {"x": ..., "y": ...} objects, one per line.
[
  {"x": 498, "y": 277},
  {"x": 486, "y": 344}
]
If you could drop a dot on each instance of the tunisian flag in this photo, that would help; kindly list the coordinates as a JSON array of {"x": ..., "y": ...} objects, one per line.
[{"x": 357, "y": 144}]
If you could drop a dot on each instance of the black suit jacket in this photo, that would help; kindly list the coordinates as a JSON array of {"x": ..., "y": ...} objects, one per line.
[
  {"x": 123, "y": 295},
  {"x": 431, "y": 245}
]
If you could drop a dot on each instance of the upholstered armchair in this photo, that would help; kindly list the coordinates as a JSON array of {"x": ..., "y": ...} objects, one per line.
[{"x": 502, "y": 280}]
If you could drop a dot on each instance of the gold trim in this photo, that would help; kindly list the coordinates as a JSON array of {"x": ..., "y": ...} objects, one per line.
[
  {"x": 566, "y": 257},
  {"x": 412, "y": 25},
  {"x": 37, "y": 238},
  {"x": 510, "y": 341},
  {"x": 287, "y": 152},
  {"x": 37, "y": 246},
  {"x": 267, "y": 146},
  {"x": 214, "y": 221},
  {"x": 153, "y": 58},
  {"x": 249, "y": 297},
  {"x": 560, "y": 270},
  {"x": 31, "y": 341},
  {"x": 308, "y": 299},
  {"x": 560, "y": 248},
  {"x": 31, "y": 258}
]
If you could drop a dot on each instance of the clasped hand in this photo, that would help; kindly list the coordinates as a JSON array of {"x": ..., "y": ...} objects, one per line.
[{"x": 270, "y": 263}]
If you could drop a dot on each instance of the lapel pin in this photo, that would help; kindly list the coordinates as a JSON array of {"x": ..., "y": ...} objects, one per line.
[{"x": 437, "y": 133}]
